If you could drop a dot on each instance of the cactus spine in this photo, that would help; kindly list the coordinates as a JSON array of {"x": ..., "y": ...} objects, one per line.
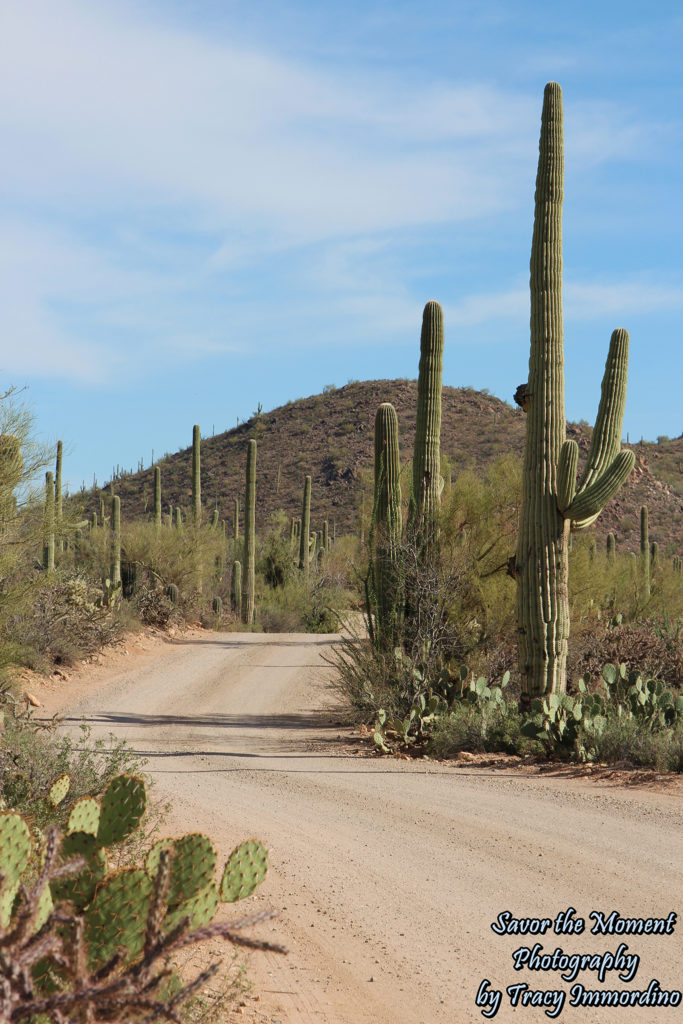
[
  {"x": 236, "y": 587},
  {"x": 196, "y": 477},
  {"x": 552, "y": 504},
  {"x": 387, "y": 526},
  {"x": 427, "y": 484},
  {"x": 49, "y": 524},
  {"x": 115, "y": 541},
  {"x": 157, "y": 497},
  {"x": 249, "y": 535},
  {"x": 645, "y": 552},
  {"x": 304, "y": 536}
]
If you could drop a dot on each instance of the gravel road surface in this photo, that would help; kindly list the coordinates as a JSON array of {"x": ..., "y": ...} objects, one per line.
[{"x": 388, "y": 874}]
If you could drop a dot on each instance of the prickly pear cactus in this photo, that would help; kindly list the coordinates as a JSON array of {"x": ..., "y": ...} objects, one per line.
[
  {"x": 121, "y": 809},
  {"x": 245, "y": 870}
]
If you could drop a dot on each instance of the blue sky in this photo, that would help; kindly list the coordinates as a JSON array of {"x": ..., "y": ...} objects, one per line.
[{"x": 210, "y": 205}]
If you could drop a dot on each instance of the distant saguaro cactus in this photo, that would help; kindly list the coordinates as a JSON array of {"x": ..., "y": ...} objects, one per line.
[
  {"x": 249, "y": 536},
  {"x": 304, "y": 537},
  {"x": 386, "y": 528},
  {"x": 236, "y": 588},
  {"x": 611, "y": 547},
  {"x": 645, "y": 552},
  {"x": 157, "y": 497},
  {"x": 58, "y": 496},
  {"x": 196, "y": 476},
  {"x": 115, "y": 574},
  {"x": 49, "y": 524}
]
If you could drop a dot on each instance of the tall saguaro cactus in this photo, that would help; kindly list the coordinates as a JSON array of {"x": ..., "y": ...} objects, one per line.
[
  {"x": 426, "y": 493},
  {"x": 552, "y": 502},
  {"x": 387, "y": 526},
  {"x": 157, "y": 497},
  {"x": 305, "y": 529},
  {"x": 249, "y": 535},
  {"x": 196, "y": 476}
]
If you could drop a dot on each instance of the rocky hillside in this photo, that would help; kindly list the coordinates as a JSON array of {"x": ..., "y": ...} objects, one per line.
[{"x": 330, "y": 436}]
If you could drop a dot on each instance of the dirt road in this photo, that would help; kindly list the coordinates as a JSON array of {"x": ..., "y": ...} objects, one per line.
[{"x": 389, "y": 874}]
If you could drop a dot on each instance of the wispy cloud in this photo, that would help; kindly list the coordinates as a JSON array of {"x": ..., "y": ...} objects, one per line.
[{"x": 159, "y": 165}]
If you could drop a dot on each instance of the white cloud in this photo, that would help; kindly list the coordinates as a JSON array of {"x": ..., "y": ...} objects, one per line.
[{"x": 136, "y": 132}]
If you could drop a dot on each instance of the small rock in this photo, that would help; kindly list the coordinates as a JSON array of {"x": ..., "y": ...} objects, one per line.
[
  {"x": 33, "y": 701},
  {"x": 465, "y": 756}
]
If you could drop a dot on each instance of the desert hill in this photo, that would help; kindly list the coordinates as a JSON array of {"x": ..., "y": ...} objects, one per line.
[{"x": 330, "y": 437}]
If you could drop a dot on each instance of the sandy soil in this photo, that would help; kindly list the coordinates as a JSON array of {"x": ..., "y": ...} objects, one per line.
[{"x": 387, "y": 874}]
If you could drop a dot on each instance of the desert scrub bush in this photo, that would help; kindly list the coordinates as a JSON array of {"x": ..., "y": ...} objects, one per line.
[
  {"x": 471, "y": 728},
  {"x": 655, "y": 646},
  {"x": 32, "y": 756},
  {"x": 630, "y": 740},
  {"x": 60, "y": 619}
]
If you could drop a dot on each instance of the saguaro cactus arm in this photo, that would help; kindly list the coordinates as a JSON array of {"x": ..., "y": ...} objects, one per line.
[{"x": 607, "y": 467}]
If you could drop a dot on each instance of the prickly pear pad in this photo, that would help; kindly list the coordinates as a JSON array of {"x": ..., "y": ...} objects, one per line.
[
  {"x": 200, "y": 909},
  {"x": 192, "y": 867},
  {"x": 79, "y": 889},
  {"x": 85, "y": 816},
  {"x": 245, "y": 870},
  {"x": 123, "y": 805},
  {"x": 58, "y": 790},
  {"x": 15, "y": 847},
  {"x": 117, "y": 916}
]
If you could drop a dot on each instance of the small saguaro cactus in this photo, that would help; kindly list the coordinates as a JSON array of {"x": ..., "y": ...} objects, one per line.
[
  {"x": 645, "y": 552},
  {"x": 553, "y": 503},
  {"x": 172, "y": 593},
  {"x": 157, "y": 497},
  {"x": 611, "y": 547},
  {"x": 654, "y": 554},
  {"x": 427, "y": 482},
  {"x": 326, "y": 536},
  {"x": 217, "y": 606},
  {"x": 236, "y": 588},
  {"x": 196, "y": 477},
  {"x": 49, "y": 524},
  {"x": 115, "y": 574},
  {"x": 386, "y": 528},
  {"x": 178, "y": 519},
  {"x": 249, "y": 535},
  {"x": 214, "y": 519},
  {"x": 304, "y": 536},
  {"x": 236, "y": 520}
]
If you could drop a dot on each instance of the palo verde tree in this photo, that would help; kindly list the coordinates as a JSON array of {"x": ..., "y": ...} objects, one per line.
[{"x": 553, "y": 503}]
